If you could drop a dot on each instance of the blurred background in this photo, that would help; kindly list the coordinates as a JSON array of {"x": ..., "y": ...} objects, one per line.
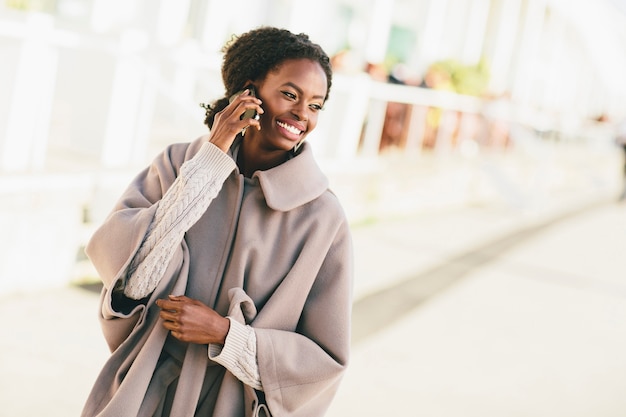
[{"x": 450, "y": 121}]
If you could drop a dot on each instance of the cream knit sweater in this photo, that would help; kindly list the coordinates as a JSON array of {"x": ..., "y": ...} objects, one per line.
[{"x": 183, "y": 204}]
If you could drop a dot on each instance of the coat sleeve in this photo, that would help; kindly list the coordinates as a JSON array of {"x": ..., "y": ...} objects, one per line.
[
  {"x": 114, "y": 244},
  {"x": 147, "y": 224},
  {"x": 301, "y": 370},
  {"x": 199, "y": 181}
]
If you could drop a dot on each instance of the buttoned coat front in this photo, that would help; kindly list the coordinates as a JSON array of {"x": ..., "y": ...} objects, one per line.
[{"x": 275, "y": 248}]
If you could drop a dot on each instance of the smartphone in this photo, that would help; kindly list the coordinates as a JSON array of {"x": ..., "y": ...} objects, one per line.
[{"x": 248, "y": 114}]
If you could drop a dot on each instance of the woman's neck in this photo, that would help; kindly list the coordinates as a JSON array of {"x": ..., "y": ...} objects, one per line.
[{"x": 251, "y": 159}]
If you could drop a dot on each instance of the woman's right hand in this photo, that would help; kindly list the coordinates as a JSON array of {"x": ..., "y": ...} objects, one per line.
[
  {"x": 228, "y": 123},
  {"x": 192, "y": 321}
]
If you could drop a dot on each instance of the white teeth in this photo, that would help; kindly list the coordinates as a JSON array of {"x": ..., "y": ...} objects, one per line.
[{"x": 289, "y": 128}]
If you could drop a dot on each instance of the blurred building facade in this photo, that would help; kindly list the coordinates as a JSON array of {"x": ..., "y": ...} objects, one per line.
[{"x": 92, "y": 89}]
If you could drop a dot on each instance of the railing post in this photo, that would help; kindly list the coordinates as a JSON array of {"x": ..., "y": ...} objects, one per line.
[
  {"x": 417, "y": 124},
  {"x": 25, "y": 145},
  {"x": 373, "y": 127}
]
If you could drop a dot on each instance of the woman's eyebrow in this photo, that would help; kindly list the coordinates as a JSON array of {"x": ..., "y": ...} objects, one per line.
[{"x": 295, "y": 87}]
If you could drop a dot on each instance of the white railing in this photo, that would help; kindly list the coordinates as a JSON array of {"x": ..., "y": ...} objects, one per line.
[
  {"x": 130, "y": 89},
  {"x": 51, "y": 164}
]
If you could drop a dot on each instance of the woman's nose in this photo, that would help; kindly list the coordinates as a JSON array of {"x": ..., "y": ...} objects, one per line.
[{"x": 300, "y": 111}]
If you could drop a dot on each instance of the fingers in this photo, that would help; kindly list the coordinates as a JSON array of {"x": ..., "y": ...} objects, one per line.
[
  {"x": 239, "y": 107},
  {"x": 173, "y": 308},
  {"x": 170, "y": 313},
  {"x": 167, "y": 304},
  {"x": 190, "y": 320},
  {"x": 228, "y": 122},
  {"x": 248, "y": 108},
  {"x": 170, "y": 308},
  {"x": 174, "y": 303},
  {"x": 178, "y": 298}
]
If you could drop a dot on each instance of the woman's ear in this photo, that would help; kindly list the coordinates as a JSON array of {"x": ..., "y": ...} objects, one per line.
[
  {"x": 251, "y": 88},
  {"x": 249, "y": 84}
]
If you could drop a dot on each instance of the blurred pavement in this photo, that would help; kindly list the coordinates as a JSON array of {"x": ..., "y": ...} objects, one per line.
[
  {"x": 532, "y": 326},
  {"x": 498, "y": 301}
]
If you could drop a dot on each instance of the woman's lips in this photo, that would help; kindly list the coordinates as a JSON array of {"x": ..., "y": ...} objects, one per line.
[{"x": 291, "y": 130}]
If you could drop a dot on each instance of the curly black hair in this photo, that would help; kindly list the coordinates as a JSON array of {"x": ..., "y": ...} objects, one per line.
[{"x": 253, "y": 54}]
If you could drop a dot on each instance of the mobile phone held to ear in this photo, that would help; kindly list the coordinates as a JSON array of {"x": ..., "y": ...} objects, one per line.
[{"x": 248, "y": 114}]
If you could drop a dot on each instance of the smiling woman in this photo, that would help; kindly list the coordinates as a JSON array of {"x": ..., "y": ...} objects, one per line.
[
  {"x": 293, "y": 83},
  {"x": 227, "y": 264},
  {"x": 292, "y": 96}
]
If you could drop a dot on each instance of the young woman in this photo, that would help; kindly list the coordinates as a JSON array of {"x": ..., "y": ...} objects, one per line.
[{"x": 227, "y": 263}]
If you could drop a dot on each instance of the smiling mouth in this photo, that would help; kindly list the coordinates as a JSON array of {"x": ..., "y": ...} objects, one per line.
[{"x": 289, "y": 128}]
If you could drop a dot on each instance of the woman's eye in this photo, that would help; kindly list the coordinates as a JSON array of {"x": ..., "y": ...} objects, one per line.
[
  {"x": 316, "y": 107},
  {"x": 289, "y": 95}
]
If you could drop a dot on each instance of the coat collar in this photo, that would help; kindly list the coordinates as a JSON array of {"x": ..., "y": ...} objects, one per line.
[{"x": 293, "y": 183}]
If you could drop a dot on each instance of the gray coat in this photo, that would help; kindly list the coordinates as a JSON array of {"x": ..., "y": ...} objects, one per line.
[{"x": 278, "y": 256}]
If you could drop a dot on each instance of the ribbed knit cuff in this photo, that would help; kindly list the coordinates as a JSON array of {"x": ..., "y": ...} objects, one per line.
[
  {"x": 236, "y": 340},
  {"x": 238, "y": 354}
]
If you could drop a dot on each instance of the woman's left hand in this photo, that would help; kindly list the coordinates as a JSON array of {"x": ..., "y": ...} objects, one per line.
[{"x": 191, "y": 321}]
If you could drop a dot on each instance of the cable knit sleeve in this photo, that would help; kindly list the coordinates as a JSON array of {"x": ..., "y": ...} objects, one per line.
[
  {"x": 238, "y": 354},
  {"x": 200, "y": 180}
]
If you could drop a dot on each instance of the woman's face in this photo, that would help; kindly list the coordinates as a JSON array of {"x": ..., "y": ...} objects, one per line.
[{"x": 292, "y": 96}]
